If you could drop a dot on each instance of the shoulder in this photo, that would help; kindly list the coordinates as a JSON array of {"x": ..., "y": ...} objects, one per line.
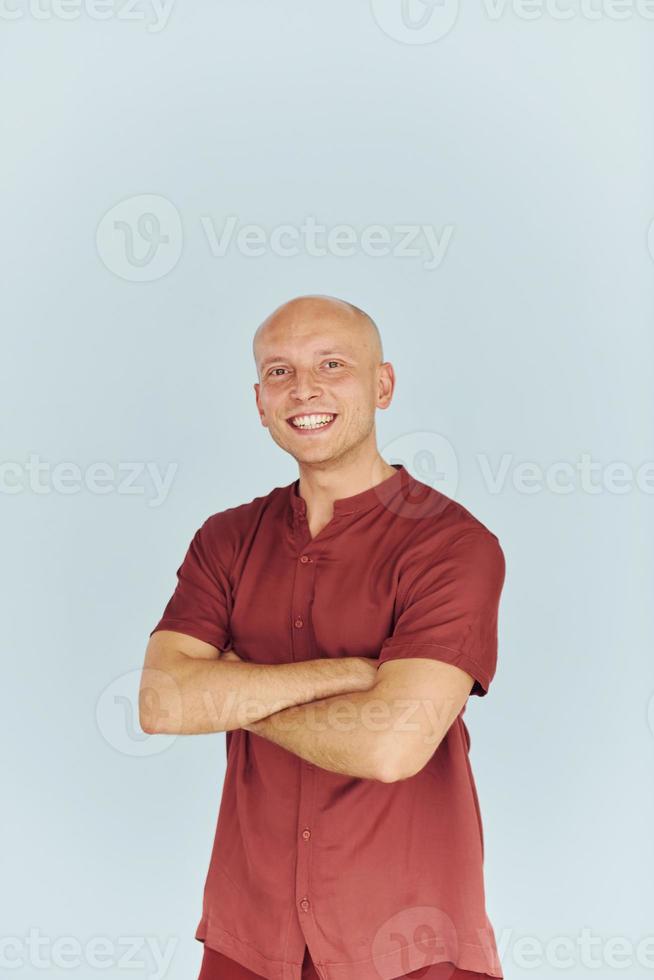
[
  {"x": 444, "y": 533},
  {"x": 223, "y": 532}
]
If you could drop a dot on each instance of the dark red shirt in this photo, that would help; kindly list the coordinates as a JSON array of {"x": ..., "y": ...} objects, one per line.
[{"x": 377, "y": 879}]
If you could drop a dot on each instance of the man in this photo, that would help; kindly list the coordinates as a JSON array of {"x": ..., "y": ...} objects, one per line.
[{"x": 334, "y": 629}]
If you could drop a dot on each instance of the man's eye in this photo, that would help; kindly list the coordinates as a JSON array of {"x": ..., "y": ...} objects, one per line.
[{"x": 273, "y": 371}]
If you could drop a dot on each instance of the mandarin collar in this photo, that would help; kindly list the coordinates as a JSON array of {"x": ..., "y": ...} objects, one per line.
[{"x": 358, "y": 502}]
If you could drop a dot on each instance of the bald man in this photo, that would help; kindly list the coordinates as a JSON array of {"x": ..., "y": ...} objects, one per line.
[
  {"x": 342, "y": 852},
  {"x": 318, "y": 354}
]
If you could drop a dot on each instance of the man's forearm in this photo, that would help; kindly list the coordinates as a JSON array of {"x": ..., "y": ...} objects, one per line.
[
  {"x": 190, "y": 696},
  {"x": 347, "y": 734}
]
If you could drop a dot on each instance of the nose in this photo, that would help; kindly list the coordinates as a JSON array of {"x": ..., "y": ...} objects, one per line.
[{"x": 306, "y": 386}]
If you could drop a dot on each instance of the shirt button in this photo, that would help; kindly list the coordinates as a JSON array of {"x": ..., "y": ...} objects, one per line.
[
  {"x": 298, "y": 622},
  {"x": 306, "y": 833},
  {"x": 304, "y": 559},
  {"x": 304, "y": 905}
]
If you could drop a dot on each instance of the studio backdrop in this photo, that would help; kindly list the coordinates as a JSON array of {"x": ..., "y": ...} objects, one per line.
[{"x": 478, "y": 177}]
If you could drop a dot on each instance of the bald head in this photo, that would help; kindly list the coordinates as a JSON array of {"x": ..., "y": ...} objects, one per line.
[{"x": 291, "y": 319}]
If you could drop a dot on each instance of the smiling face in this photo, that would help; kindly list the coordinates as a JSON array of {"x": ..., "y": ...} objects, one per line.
[{"x": 318, "y": 356}]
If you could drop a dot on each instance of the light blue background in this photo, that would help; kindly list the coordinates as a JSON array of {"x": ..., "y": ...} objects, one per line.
[{"x": 533, "y": 338}]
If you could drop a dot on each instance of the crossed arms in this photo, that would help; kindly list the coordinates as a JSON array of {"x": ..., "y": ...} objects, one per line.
[{"x": 348, "y": 715}]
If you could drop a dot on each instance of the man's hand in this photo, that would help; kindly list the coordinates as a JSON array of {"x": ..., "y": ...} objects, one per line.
[
  {"x": 231, "y": 655},
  {"x": 369, "y": 676}
]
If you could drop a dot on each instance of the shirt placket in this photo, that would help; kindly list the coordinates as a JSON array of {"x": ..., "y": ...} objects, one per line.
[{"x": 303, "y": 649}]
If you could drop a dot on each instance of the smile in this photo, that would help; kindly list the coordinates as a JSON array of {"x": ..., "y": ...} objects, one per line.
[{"x": 311, "y": 423}]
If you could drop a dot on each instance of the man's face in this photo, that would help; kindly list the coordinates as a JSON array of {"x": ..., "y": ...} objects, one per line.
[{"x": 317, "y": 360}]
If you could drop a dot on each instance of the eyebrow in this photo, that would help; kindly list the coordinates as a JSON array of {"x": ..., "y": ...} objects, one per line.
[{"x": 321, "y": 353}]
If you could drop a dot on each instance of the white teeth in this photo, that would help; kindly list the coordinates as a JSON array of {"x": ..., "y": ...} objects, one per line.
[{"x": 311, "y": 421}]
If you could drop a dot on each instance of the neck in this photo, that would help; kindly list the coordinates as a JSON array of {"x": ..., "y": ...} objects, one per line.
[{"x": 323, "y": 483}]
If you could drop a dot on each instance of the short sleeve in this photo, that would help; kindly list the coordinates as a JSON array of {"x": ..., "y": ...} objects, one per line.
[
  {"x": 449, "y": 609},
  {"x": 200, "y": 605}
]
